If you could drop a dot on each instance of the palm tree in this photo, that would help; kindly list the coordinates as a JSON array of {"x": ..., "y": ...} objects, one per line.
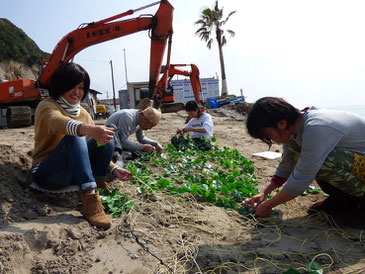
[{"x": 211, "y": 22}]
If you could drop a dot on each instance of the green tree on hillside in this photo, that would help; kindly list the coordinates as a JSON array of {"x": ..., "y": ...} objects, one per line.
[
  {"x": 211, "y": 22},
  {"x": 17, "y": 46}
]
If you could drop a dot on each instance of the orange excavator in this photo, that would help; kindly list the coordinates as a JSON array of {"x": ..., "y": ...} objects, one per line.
[
  {"x": 164, "y": 90},
  {"x": 19, "y": 98}
]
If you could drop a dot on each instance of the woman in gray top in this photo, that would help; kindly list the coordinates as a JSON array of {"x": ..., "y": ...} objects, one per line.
[{"x": 325, "y": 145}]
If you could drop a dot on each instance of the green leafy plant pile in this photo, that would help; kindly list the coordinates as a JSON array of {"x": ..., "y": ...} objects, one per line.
[
  {"x": 115, "y": 203},
  {"x": 220, "y": 176}
]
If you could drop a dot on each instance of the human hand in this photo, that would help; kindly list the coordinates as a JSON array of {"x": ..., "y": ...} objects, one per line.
[
  {"x": 102, "y": 134},
  {"x": 122, "y": 174},
  {"x": 255, "y": 201},
  {"x": 180, "y": 131},
  {"x": 148, "y": 148},
  {"x": 159, "y": 148},
  {"x": 263, "y": 210}
]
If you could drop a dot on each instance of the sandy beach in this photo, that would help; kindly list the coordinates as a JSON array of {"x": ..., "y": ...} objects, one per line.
[{"x": 45, "y": 233}]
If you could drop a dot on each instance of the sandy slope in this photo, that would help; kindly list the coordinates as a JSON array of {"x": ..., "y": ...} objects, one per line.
[{"x": 45, "y": 233}]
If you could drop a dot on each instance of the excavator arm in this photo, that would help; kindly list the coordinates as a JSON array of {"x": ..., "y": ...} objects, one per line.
[
  {"x": 94, "y": 33},
  {"x": 165, "y": 81},
  {"x": 19, "y": 98},
  {"x": 195, "y": 83}
]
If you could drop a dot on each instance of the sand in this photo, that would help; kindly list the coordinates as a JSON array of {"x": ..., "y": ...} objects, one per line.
[{"x": 45, "y": 233}]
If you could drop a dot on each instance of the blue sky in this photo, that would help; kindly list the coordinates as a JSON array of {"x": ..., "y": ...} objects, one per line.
[{"x": 308, "y": 52}]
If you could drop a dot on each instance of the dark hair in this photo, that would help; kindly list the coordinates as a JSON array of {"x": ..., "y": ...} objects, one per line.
[
  {"x": 267, "y": 112},
  {"x": 65, "y": 77},
  {"x": 191, "y": 106}
]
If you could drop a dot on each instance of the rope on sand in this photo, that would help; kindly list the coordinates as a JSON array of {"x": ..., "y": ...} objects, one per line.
[
  {"x": 294, "y": 261},
  {"x": 172, "y": 232}
]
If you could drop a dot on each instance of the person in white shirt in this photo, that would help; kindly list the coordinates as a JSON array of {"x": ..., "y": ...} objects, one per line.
[{"x": 200, "y": 125}]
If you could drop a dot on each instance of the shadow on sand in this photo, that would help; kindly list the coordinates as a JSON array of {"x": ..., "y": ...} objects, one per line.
[{"x": 277, "y": 245}]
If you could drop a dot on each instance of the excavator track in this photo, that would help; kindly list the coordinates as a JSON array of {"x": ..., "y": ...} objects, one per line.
[
  {"x": 172, "y": 107},
  {"x": 18, "y": 116}
]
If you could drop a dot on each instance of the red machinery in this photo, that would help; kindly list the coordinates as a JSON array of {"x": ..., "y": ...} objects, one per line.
[
  {"x": 19, "y": 98},
  {"x": 164, "y": 91}
]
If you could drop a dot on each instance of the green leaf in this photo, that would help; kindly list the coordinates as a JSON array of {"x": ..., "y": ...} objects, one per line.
[
  {"x": 211, "y": 197},
  {"x": 194, "y": 189},
  {"x": 237, "y": 195},
  {"x": 244, "y": 211},
  {"x": 115, "y": 203},
  {"x": 224, "y": 190},
  {"x": 235, "y": 172},
  {"x": 314, "y": 268},
  {"x": 231, "y": 178},
  {"x": 128, "y": 205},
  {"x": 198, "y": 160},
  {"x": 312, "y": 190}
]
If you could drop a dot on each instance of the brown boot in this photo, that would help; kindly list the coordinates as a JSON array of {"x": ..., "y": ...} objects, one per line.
[{"x": 93, "y": 210}]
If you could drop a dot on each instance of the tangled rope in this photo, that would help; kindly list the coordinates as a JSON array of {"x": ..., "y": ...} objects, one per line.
[{"x": 180, "y": 237}]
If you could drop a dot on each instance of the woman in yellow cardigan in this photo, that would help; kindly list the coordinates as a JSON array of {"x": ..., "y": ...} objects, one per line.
[{"x": 66, "y": 151}]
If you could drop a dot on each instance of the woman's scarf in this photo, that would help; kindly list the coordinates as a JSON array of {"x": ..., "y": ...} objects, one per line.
[{"x": 72, "y": 110}]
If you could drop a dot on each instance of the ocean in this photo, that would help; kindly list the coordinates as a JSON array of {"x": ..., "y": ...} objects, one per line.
[{"x": 358, "y": 109}]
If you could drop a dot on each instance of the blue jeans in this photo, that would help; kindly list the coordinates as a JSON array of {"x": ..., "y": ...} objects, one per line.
[{"x": 74, "y": 161}]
